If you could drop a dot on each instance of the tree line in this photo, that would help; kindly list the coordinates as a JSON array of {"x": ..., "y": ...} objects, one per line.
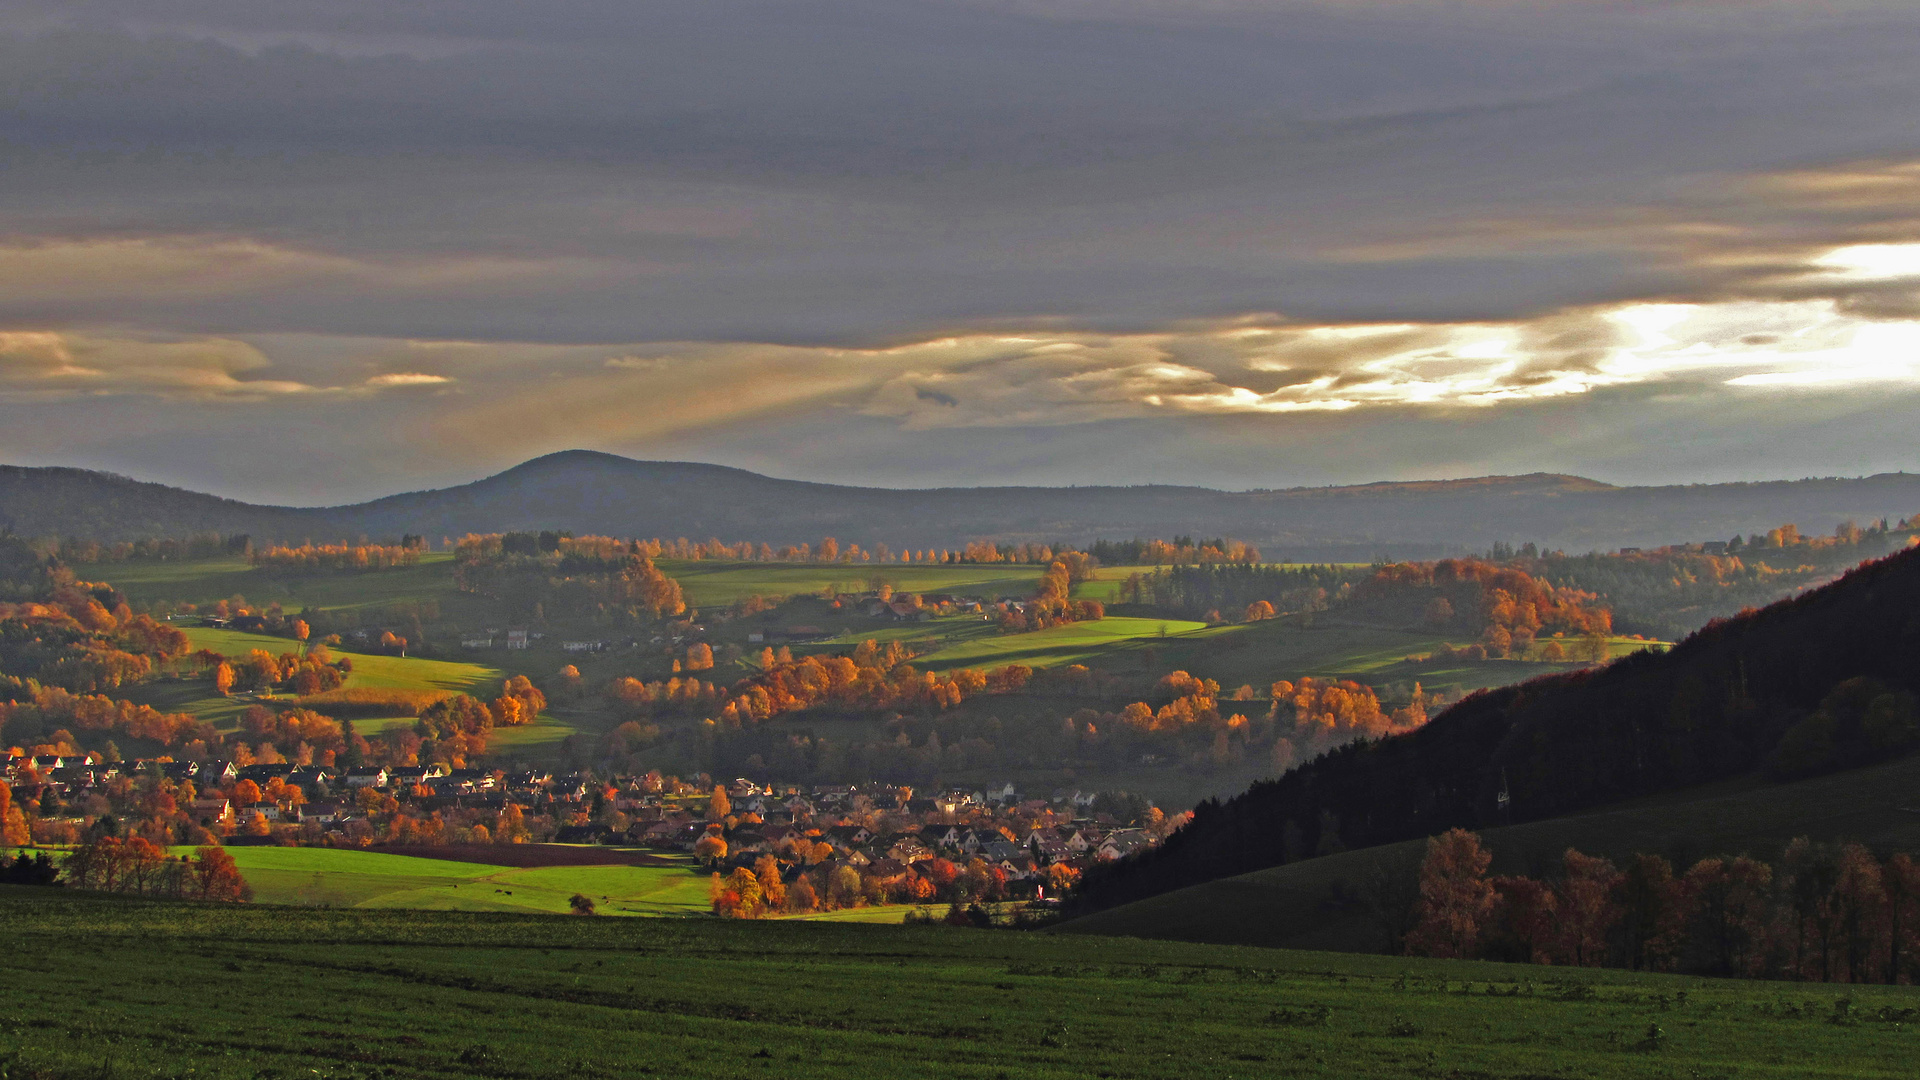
[{"x": 1821, "y": 913}]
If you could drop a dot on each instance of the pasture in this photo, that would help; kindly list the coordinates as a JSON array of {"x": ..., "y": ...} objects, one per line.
[
  {"x": 151, "y": 989},
  {"x": 1069, "y": 643},
  {"x": 204, "y": 581},
  {"x": 337, "y": 877},
  {"x": 712, "y": 582}
]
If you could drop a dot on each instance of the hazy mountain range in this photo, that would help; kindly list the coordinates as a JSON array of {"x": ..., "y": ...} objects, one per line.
[{"x": 590, "y": 492}]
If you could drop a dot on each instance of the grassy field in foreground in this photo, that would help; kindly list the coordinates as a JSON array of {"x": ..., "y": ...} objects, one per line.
[
  {"x": 1288, "y": 906},
  {"x": 139, "y": 989},
  {"x": 372, "y": 879}
]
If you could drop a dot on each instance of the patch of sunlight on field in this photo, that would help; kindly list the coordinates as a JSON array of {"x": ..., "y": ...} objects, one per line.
[
  {"x": 1071, "y": 643},
  {"x": 337, "y": 877}
]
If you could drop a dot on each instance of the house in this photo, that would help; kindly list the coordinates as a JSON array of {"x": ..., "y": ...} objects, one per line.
[
  {"x": 217, "y": 811},
  {"x": 849, "y": 835},
  {"x": 215, "y": 773},
  {"x": 941, "y": 836},
  {"x": 1121, "y": 844},
  {"x": 367, "y": 776},
  {"x": 995, "y": 851},
  {"x": 476, "y": 642},
  {"x": 909, "y": 849},
  {"x": 887, "y": 871},
  {"x": 517, "y": 639},
  {"x": 583, "y": 646}
]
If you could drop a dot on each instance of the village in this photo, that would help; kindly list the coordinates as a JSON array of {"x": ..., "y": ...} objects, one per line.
[{"x": 865, "y": 844}]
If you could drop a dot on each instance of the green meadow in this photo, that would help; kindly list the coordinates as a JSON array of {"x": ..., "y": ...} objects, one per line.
[
  {"x": 204, "y": 581},
  {"x": 1069, "y": 643},
  {"x": 124, "y": 988},
  {"x": 336, "y": 877},
  {"x": 710, "y": 583},
  {"x": 370, "y": 672}
]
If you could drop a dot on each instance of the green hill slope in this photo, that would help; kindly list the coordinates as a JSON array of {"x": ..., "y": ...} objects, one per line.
[
  {"x": 1818, "y": 683},
  {"x": 1293, "y": 906}
]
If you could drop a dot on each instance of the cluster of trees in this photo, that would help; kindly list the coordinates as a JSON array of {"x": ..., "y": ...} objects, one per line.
[
  {"x": 47, "y": 716},
  {"x": 1205, "y": 590},
  {"x": 869, "y": 679},
  {"x": 82, "y": 637},
  {"x": 541, "y": 575},
  {"x": 1718, "y": 705},
  {"x": 108, "y": 863},
  {"x": 305, "y": 673},
  {"x": 1053, "y": 601},
  {"x": 764, "y": 890},
  {"x": 1302, "y": 720},
  {"x": 1669, "y": 592},
  {"x": 456, "y": 729},
  {"x": 1823, "y": 913},
  {"x": 1179, "y": 551},
  {"x": 317, "y": 558},
  {"x": 1503, "y": 605}
]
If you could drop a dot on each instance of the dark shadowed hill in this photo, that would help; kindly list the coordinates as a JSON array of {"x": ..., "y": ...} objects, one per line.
[
  {"x": 1820, "y": 683},
  {"x": 601, "y": 493}
]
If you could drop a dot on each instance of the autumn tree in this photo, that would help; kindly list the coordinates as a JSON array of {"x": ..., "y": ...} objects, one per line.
[
  {"x": 710, "y": 849},
  {"x": 1455, "y": 896},
  {"x": 801, "y": 898},
  {"x": 581, "y": 904},
  {"x": 13, "y": 822},
  {"x": 1520, "y": 926},
  {"x": 773, "y": 889},
  {"x": 1653, "y": 913},
  {"x": 223, "y": 678},
  {"x": 1586, "y": 899},
  {"x": 1901, "y": 878},
  {"x": 217, "y": 877},
  {"x": 718, "y": 805},
  {"x": 1728, "y": 914},
  {"x": 744, "y": 884}
]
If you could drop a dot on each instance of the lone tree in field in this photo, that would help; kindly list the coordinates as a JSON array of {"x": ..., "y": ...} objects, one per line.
[
  {"x": 1455, "y": 896},
  {"x": 581, "y": 904}
]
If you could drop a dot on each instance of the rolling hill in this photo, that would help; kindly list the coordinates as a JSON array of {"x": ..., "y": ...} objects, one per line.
[
  {"x": 601, "y": 493},
  {"x": 1817, "y": 684}
]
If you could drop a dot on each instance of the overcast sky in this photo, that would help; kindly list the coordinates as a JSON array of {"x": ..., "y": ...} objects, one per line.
[{"x": 325, "y": 250}]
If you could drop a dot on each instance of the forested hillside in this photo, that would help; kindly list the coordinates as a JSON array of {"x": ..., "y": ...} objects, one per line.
[
  {"x": 615, "y": 496},
  {"x": 1819, "y": 682}
]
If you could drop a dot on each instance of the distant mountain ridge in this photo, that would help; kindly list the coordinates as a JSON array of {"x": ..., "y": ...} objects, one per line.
[{"x": 590, "y": 492}]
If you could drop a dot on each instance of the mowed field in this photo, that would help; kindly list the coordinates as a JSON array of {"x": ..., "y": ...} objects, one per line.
[
  {"x": 334, "y": 877},
  {"x": 138, "y": 989},
  {"x": 1288, "y": 905}
]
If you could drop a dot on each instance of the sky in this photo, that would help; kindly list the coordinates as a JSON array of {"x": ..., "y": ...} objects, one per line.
[{"x": 320, "y": 251}]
